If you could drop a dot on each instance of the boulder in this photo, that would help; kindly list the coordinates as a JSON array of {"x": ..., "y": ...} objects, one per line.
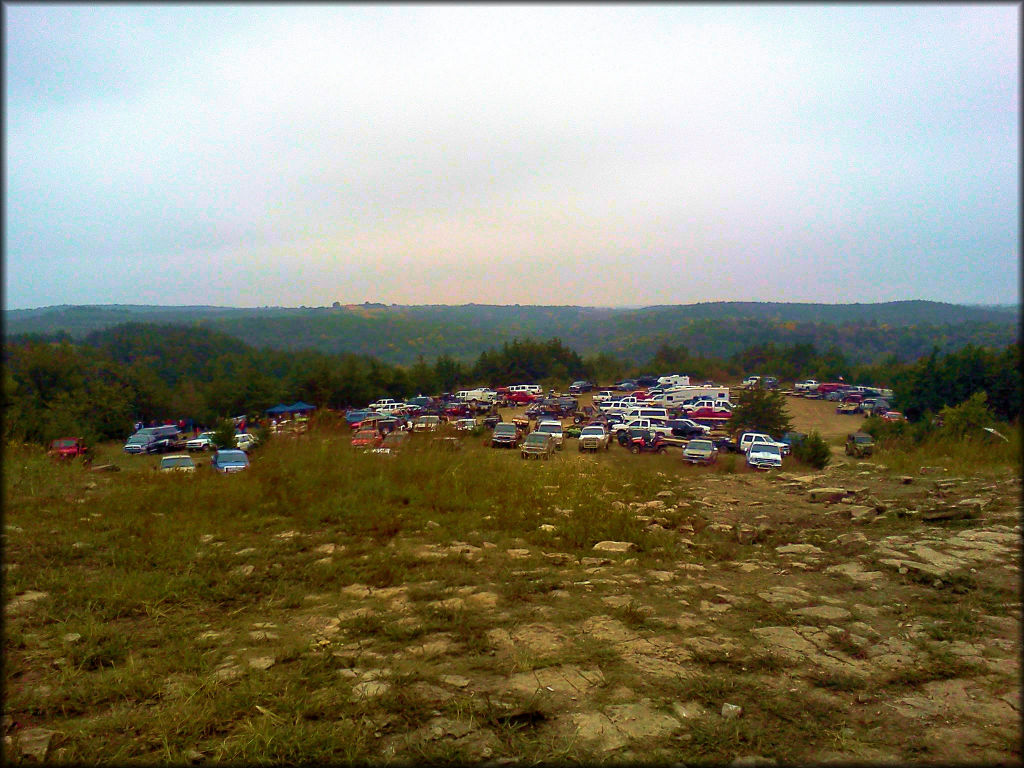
[
  {"x": 860, "y": 514},
  {"x": 825, "y": 494},
  {"x": 798, "y": 549},
  {"x": 614, "y": 546}
]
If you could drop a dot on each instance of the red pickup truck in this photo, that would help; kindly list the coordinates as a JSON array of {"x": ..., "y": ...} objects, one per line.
[{"x": 68, "y": 448}]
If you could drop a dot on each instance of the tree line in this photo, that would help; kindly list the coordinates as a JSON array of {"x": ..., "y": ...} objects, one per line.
[{"x": 97, "y": 387}]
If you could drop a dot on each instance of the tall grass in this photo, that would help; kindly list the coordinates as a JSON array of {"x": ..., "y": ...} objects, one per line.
[{"x": 977, "y": 453}]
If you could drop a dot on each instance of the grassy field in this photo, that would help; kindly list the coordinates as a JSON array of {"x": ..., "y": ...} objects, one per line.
[{"x": 437, "y": 605}]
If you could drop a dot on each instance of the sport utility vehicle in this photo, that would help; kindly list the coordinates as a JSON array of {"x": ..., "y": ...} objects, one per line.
[{"x": 860, "y": 444}]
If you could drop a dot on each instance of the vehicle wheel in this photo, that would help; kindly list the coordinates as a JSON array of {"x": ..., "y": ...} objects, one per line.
[{"x": 634, "y": 449}]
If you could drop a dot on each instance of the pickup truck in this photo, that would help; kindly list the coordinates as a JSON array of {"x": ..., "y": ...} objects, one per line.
[
  {"x": 806, "y": 385},
  {"x": 594, "y": 437},
  {"x": 747, "y": 439},
  {"x": 652, "y": 425},
  {"x": 68, "y": 447},
  {"x": 687, "y": 428},
  {"x": 553, "y": 428}
]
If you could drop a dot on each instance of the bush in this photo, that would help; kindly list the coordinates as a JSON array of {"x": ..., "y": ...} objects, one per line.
[
  {"x": 813, "y": 450},
  {"x": 224, "y": 435}
]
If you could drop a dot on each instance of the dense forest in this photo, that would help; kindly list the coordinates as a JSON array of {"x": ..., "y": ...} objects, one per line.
[
  {"x": 99, "y": 385},
  {"x": 399, "y": 335}
]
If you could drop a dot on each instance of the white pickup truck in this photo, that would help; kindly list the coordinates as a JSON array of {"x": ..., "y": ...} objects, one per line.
[
  {"x": 655, "y": 425},
  {"x": 748, "y": 439},
  {"x": 806, "y": 386}
]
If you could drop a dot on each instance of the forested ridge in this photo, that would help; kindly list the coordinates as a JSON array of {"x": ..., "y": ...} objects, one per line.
[
  {"x": 99, "y": 385},
  {"x": 399, "y": 335}
]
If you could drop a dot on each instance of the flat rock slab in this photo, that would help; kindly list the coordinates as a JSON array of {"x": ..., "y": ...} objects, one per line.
[
  {"x": 619, "y": 725},
  {"x": 614, "y": 546},
  {"x": 566, "y": 680},
  {"x": 823, "y": 612},
  {"x": 799, "y": 549},
  {"x": 825, "y": 494}
]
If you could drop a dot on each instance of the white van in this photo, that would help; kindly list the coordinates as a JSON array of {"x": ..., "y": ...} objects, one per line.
[
  {"x": 645, "y": 412},
  {"x": 533, "y": 389}
]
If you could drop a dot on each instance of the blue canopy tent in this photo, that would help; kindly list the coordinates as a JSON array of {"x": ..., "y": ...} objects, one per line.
[
  {"x": 301, "y": 407},
  {"x": 277, "y": 409}
]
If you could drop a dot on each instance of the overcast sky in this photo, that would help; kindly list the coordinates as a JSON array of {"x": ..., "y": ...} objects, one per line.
[{"x": 536, "y": 154}]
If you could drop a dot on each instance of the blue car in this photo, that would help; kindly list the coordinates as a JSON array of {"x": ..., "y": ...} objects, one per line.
[{"x": 230, "y": 461}]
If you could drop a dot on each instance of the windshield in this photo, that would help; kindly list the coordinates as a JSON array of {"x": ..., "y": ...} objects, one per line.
[
  {"x": 766, "y": 448},
  {"x": 68, "y": 443},
  {"x": 537, "y": 437},
  {"x": 505, "y": 429},
  {"x": 138, "y": 439},
  {"x": 176, "y": 461},
  {"x": 699, "y": 445},
  {"x": 862, "y": 439},
  {"x": 550, "y": 428},
  {"x": 232, "y": 457},
  {"x": 595, "y": 431}
]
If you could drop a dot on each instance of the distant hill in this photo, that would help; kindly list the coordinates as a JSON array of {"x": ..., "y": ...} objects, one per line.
[{"x": 399, "y": 334}]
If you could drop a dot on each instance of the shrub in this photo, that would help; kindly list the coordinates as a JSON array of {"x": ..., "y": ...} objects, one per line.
[
  {"x": 224, "y": 435},
  {"x": 813, "y": 450}
]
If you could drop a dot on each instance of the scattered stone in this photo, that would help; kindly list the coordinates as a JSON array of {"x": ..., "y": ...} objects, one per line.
[
  {"x": 31, "y": 743},
  {"x": 860, "y": 514},
  {"x": 547, "y": 528},
  {"x": 746, "y": 534},
  {"x": 594, "y": 562},
  {"x": 799, "y": 549},
  {"x": 825, "y": 494},
  {"x": 731, "y": 711},
  {"x": 689, "y": 710},
  {"x": 518, "y": 554},
  {"x": 456, "y": 681},
  {"x": 823, "y": 612},
  {"x": 24, "y": 602},
  {"x": 906, "y": 479},
  {"x": 243, "y": 570},
  {"x": 614, "y": 546},
  {"x": 751, "y": 761},
  {"x": 369, "y": 689},
  {"x": 851, "y": 538},
  {"x": 262, "y": 662}
]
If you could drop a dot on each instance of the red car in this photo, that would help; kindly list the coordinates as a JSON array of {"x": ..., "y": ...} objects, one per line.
[
  {"x": 642, "y": 394},
  {"x": 67, "y": 447},
  {"x": 893, "y": 416},
  {"x": 367, "y": 438},
  {"x": 831, "y": 386},
  {"x": 521, "y": 398}
]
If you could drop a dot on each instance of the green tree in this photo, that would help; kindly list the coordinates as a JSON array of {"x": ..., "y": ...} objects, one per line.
[
  {"x": 760, "y": 410},
  {"x": 224, "y": 434},
  {"x": 813, "y": 450},
  {"x": 968, "y": 417}
]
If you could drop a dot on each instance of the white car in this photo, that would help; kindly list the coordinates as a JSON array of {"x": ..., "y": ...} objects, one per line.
[
  {"x": 553, "y": 428},
  {"x": 245, "y": 441},
  {"x": 201, "y": 442},
  {"x": 179, "y": 462},
  {"x": 748, "y": 439}
]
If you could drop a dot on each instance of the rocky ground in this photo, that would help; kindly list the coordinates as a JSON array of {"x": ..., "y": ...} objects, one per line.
[{"x": 849, "y": 615}]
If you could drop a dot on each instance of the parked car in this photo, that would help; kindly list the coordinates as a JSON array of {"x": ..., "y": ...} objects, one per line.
[
  {"x": 553, "y": 428},
  {"x": 537, "y": 444},
  {"x": 578, "y": 387},
  {"x": 505, "y": 435},
  {"x": 367, "y": 437},
  {"x": 232, "y": 460},
  {"x": 747, "y": 439},
  {"x": 68, "y": 448},
  {"x": 860, "y": 444},
  {"x": 764, "y": 456},
  {"x": 426, "y": 423},
  {"x": 700, "y": 451},
  {"x": 177, "y": 462},
  {"x": 521, "y": 398},
  {"x": 201, "y": 442},
  {"x": 893, "y": 416},
  {"x": 153, "y": 440},
  {"x": 687, "y": 428},
  {"x": 464, "y": 425},
  {"x": 751, "y": 381},
  {"x": 594, "y": 437},
  {"x": 806, "y": 385},
  {"x": 245, "y": 441},
  {"x": 792, "y": 438},
  {"x": 848, "y": 409},
  {"x": 392, "y": 443}
]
